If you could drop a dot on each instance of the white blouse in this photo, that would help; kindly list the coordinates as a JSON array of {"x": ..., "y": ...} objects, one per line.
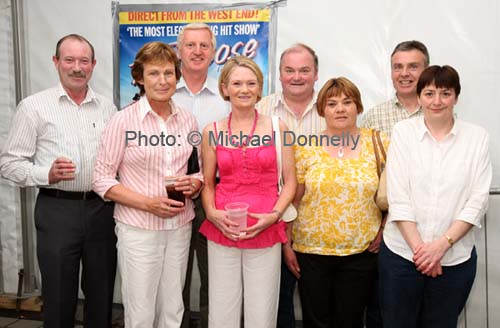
[{"x": 434, "y": 183}]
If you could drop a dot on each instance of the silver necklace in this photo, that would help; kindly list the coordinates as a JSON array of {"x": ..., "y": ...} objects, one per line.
[{"x": 340, "y": 152}]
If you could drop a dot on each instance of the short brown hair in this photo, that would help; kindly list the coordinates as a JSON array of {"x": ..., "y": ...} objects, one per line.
[
  {"x": 240, "y": 61},
  {"x": 153, "y": 52},
  {"x": 441, "y": 76},
  {"x": 335, "y": 87},
  {"x": 74, "y": 37}
]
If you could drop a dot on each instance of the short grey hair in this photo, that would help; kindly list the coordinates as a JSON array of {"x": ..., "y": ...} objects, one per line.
[
  {"x": 196, "y": 26},
  {"x": 413, "y": 45}
]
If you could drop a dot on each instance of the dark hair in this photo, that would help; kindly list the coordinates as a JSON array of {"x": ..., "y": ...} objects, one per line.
[
  {"x": 441, "y": 76},
  {"x": 413, "y": 45},
  {"x": 298, "y": 47},
  {"x": 335, "y": 87},
  {"x": 153, "y": 52},
  {"x": 74, "y": 37}
]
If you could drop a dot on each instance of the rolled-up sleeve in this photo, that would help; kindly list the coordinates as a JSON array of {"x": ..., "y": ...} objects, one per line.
[
  {"x": 109, "y": 156},
  {"x": 398, "y": 186},
  {"x": 477, "y": 201}
]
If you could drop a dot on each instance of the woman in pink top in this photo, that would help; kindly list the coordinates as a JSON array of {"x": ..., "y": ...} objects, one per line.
[
  {"x": 244, "y": 264},
  {"x": 153, "y": 230}
]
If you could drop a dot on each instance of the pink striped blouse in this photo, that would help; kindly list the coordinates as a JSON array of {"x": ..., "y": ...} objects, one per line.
[{"x": 142, "y": 148}]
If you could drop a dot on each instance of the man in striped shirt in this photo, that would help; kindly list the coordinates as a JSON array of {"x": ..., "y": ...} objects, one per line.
[
  {"x": 198, "y": 94},
  {"x": 296, "y": 106},
  {"x": 52, "y": 145},
  {"x": 408, "y": 61}
]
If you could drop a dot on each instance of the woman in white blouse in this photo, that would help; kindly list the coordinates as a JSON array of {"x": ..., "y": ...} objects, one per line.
[{"x": 439, "y": 175}]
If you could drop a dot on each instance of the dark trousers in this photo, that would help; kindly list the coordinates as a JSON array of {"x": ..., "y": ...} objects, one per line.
[
  {"x": 198, "y": 243},
  {"x": 334, "y": 290},
  {"x": 286, "y": 311},
  {"x": 70, "y": 231},
  {"x": 410, "y": 299},
  {"x": 373, "y": 316}
]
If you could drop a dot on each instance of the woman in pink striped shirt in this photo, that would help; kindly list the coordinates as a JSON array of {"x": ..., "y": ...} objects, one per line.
[
  {"x": 244, "y": 264},
  {"x": 142, "y": 144}
]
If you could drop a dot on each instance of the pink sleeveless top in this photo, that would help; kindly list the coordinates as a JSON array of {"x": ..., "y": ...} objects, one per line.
[{"x": 249, "y": 176}]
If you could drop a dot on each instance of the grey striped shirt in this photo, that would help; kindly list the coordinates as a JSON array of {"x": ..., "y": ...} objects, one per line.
[{"x": 47, "y": 125}]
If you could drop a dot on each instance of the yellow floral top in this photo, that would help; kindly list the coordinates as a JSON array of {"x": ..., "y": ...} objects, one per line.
[{"x": 337, "y": 214}]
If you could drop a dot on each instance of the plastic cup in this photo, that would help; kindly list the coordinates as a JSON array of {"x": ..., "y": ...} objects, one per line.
[
  {"x": 75, "y": 164},
  {"x": 70, "y": 154},
  {"x": 171, "y": 192},
  {"x": 237, "y": 212}
]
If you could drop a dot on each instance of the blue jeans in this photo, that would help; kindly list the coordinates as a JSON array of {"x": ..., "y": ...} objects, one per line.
[{"x": 410, "y": 299}]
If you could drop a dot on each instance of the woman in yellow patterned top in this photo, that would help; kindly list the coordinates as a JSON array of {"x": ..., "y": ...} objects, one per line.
[{"x": 337, "y": 232}]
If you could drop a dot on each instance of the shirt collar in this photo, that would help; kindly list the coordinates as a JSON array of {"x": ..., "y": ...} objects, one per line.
[
  {"x": 89, "y": 97},
  {"x": 397, "y": 104},
  {"x": 145, "y": 108},
  {"x": 422, "y": 129},
  {"x": 210, "y": 85},
  {"x": 310, "y": 106}
]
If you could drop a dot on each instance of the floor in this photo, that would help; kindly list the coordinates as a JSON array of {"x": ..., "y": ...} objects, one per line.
[
  {"x": 26, "y": 319},
  {"x": 13, "y": 319}
]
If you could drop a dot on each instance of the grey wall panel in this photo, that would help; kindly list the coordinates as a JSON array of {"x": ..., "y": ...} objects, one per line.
[
  {"x": 493, "y": 258},
  {"x": 476, "y": 308}
]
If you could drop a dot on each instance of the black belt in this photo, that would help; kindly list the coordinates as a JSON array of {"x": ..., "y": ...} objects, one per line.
[{"x": 75, "y": 195}]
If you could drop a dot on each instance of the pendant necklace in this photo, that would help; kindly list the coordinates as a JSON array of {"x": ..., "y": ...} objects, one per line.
[
  {"x": 243, "y": 143},
  {"x": 340, "y": 152}
]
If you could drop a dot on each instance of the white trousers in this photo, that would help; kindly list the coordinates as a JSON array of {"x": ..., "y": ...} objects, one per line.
[
  {"x": 152, "y": 266},
  {"x": 248, "y": 275}
]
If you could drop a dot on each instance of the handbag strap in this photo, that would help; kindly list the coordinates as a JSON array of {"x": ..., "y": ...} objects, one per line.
[
  {"x": 378, "y": 148},
  {"x": 277, "y": 145}
]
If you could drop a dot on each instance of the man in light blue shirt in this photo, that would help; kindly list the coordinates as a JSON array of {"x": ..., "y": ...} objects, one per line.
[{"x": 198, "y": 94}]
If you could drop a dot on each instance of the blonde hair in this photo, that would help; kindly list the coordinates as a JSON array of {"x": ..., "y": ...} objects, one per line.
[{"x": 240, "y": 61}]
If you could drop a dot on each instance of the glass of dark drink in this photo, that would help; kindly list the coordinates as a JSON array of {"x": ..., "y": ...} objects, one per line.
[{"x": 171, "y": 192}]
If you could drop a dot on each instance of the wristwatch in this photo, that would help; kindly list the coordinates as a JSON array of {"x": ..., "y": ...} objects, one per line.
[{"x": 450, "y": 240}]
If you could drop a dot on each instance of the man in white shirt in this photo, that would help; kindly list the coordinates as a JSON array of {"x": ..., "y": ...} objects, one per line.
[
  {"x": 296, "y": 106},
  {"x": 198, "y": 94},
  {"x": 52, "y": 145}
]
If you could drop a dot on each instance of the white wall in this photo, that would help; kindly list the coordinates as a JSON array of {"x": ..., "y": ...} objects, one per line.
[{"x": 353, "y": 39}]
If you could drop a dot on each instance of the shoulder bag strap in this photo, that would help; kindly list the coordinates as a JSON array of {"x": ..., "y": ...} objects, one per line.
[
  {"x": 277, "y": 145},
  {"x": 382, "y": 150},
  {"x": 375, "y": 137}
]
